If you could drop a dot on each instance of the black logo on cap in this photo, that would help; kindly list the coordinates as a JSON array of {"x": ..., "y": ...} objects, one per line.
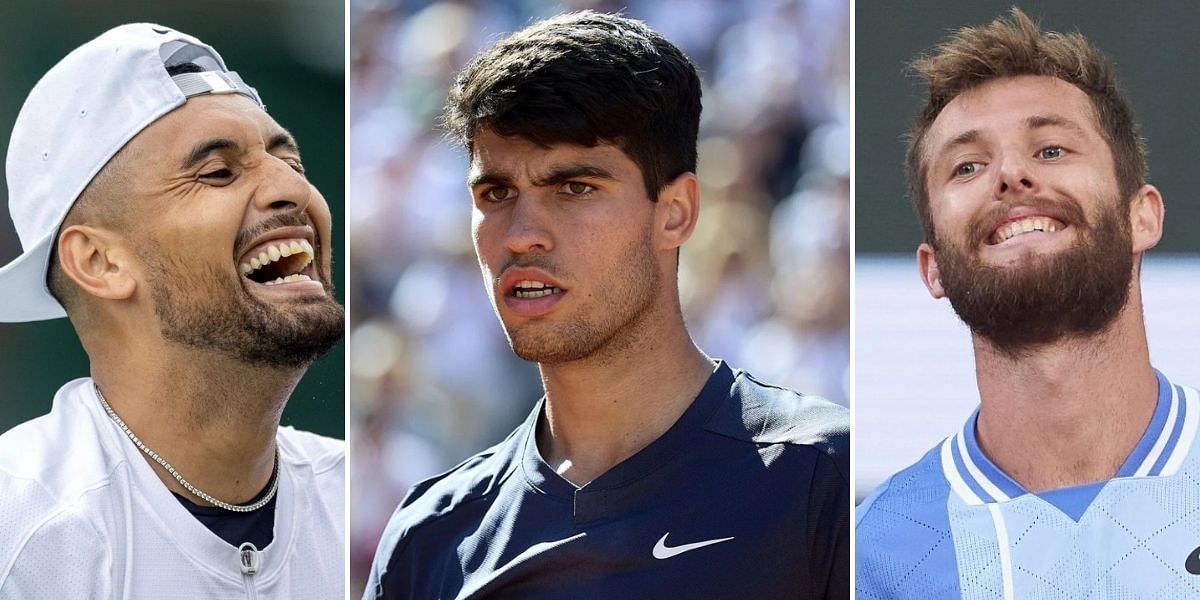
[{"x": 1192, "y": 564}]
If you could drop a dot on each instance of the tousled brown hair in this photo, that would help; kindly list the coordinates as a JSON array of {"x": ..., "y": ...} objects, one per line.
[{"x": 1009, "y": 47}]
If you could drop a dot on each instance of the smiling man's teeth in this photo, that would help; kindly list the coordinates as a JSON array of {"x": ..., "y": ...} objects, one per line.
[
  {"x": 290, "y": 279},
  {"x": 533, "y": 289},
  {"x": 1027, "y": 225},
  {"x": 277, "y": 251}
]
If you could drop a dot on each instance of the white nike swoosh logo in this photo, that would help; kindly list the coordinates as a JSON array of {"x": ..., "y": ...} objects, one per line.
[{"x": 661, "y": 551}]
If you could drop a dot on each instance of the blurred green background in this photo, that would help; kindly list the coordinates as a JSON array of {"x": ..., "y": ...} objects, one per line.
[{"x": 292, "y": 51}]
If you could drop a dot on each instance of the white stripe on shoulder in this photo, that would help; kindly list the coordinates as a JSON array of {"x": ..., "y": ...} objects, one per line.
[
  {"x": 1187, "y": 437},
  {"x": 955, "y": 479},
  {"x": 973, "y": 469},
  {"x": 1163, "y": 436}
]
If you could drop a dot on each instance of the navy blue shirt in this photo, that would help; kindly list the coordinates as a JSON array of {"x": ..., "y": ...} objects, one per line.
[{"x": 746, "y": 496}]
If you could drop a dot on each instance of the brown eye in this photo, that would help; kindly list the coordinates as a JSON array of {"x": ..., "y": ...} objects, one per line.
[
  {"x": 498, "y": 194},
  {"x": 576, "y": 188},
  {"x": 964, "y": 169}
]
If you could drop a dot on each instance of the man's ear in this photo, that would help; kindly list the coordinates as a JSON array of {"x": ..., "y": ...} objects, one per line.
[
  {"x": 1146, "y": 218},
  {"x": 95, "y": 260},
  {"x": 677, "y": 211},
  {"x": 927, "y": 265}
]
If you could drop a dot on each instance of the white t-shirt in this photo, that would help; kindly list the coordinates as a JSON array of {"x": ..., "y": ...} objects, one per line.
[{"x": 83, "y": 515}]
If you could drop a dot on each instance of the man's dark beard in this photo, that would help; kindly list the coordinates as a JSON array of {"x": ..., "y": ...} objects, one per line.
[
  {"x": 209, "y": 311},
  {"x": 1044, "y": 298}
]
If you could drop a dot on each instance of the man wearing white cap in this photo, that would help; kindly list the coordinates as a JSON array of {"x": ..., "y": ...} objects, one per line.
[{"x": 167, "y": 215}]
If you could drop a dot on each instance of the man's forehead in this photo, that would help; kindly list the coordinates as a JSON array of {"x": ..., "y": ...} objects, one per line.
[
  {"x": 1010, "y": 105},
  {"x": 228, "y": 116},
  {"x": 514, "y": 155}
]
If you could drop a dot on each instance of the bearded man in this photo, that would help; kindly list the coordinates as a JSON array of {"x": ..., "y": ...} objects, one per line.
[
  {"x": 1076, "y": 476},
  {"x": 648, "y": 470},
  {"x": 168, "y": 216}
]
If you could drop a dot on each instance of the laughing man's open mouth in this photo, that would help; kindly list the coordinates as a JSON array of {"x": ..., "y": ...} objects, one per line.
[{"x": 278, "y": 261}]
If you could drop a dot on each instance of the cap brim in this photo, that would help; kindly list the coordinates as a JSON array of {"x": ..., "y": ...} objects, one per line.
[{"x": 23, "y": 292}]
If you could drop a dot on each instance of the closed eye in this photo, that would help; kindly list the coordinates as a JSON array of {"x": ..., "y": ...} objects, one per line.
[
  {"x": 218, "y": 174},
  {"x": 295, "y": 164}
]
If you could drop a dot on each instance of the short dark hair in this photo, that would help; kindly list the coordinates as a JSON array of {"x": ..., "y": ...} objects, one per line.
[
  {"x": 1017, "y": 46},
  {"x": 585, "y": 78}
]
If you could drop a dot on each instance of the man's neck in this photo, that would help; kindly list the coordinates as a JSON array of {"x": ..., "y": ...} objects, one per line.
[
  {"x": 1068, "y": 413},
  {"x": 212, "y": 417},
  {"x": 602, "y": 410}
]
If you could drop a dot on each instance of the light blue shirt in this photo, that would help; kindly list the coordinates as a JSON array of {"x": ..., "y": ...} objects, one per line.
[{"x": 953, "y": 525}]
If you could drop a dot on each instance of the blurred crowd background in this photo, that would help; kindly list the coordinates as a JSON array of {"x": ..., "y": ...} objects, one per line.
[
  {"x": 291, "y": 50},
  {"x": 764, "y": 281}
]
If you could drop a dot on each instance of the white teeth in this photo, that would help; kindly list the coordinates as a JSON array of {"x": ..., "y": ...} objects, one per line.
[
  {"x": 275, "y": 252},
  {"x": 1026, "y": 225},
  {"x": 534, "y": 293},
  {"x": 290, "y": 279},
  {"x": 533, "y": 289}
]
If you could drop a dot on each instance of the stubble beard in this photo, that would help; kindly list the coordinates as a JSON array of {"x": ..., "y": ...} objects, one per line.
[
  {"x": 1042, "y": 299},
  {"x": 205, "y": 310},
  {"x": 606, "y": 326}
]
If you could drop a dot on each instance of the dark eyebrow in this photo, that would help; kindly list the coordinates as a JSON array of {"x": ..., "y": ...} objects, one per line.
[
  {"x": 479, "y": 179},
  {"x": 555, "y": 176},
  {"x": 201, "y": 150},
  {"x": 569, "y": 172},
  {"x": 283, "y": 140}
]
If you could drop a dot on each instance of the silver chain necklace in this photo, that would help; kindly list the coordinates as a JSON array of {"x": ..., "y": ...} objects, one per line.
[{"x": 189, "y": 487}]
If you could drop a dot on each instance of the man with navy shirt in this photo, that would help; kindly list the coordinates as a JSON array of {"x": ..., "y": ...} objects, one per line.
[
  {"x": 1077, "y": 476},
  {"x": 648, "y": 470}
]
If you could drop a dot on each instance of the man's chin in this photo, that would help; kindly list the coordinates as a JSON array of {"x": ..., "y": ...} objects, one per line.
[
  {"x": 290, "y": 337},
  {"x": 548, "y": 346},
  {"x": 1040, "y": 300}
]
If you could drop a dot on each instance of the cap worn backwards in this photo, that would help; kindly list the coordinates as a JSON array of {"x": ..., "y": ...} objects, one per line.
[{"x": 77, "y": 117}]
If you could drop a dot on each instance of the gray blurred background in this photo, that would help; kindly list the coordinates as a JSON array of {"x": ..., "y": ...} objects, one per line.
[
  {"x": 914, "y": 370},
  {"x": 291, "y": 50},
  {"x": 764, "y": 280}
]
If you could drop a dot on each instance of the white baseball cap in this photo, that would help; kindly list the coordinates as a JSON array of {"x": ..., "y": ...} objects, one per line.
[{"x": 84, "y": 110}]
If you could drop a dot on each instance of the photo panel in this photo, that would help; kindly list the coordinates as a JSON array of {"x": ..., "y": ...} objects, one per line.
[{"x": 763, "y": 281}]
